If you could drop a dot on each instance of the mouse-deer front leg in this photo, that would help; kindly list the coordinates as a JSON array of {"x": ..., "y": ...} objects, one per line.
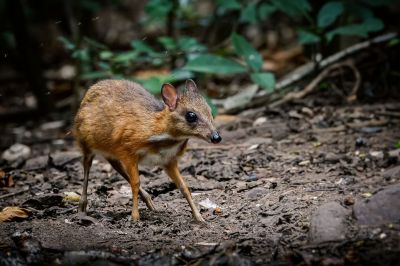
[{"x": 173, "y": 172}]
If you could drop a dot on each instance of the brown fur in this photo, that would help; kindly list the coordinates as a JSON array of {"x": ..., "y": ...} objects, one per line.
[{"x": 117, "y": 118}]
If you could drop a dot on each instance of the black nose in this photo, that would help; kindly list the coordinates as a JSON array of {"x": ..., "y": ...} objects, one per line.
[{"x": 215, "y": 137}]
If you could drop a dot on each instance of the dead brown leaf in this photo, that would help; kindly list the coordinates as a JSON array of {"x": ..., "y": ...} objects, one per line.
[
  {"x": 11, "y": 213},
  {"x": 6, "y": 180}
]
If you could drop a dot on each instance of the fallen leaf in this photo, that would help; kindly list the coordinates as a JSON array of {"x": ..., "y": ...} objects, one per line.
[
  {"x": 71, "y": 196},
  {"x": 217, "y": 211},
  {"x": 11, "y": 213},
  {"x": 6, "y": 180},
  {"x": 207, "y": 203}
]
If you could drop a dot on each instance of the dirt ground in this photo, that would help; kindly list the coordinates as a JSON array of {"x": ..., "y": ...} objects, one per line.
[{"x": 270, "y": 174}]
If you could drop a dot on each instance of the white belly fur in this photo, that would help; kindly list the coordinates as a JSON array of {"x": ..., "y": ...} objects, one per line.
[{"x": 165, "y": 155}]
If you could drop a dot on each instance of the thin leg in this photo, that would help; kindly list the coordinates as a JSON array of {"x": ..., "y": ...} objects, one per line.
[
  {"x": 143, "y": 193},
  {"x": 173, "y": 172},
  {"x": 133, "y": 173},
  {"x": 87, "y": 163}
]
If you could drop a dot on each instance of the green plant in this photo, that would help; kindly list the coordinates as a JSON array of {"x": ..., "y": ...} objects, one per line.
[
  {"x": 397, "y": 145},
  {"x": 351, "y": 18},
  {"x": 186, "y": 55}
]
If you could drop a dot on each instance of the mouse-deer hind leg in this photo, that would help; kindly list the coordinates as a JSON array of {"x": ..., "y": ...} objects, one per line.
[
  {"x": 117, "y": 165},
  {"x": 87, "y": 163}
]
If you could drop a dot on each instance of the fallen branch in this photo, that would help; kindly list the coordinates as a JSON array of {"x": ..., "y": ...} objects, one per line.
[
  {"x": 314, "y": 83},
  {"x": 389, "y": 114},
  {"x": 220, "y": 147},
  {"x": 305, "y": 70},
  {"x": 13, "y": 193}
]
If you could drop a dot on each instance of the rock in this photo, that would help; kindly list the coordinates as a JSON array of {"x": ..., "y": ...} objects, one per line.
[
  {"x": 377, "y": 155},
  {"x": 360, "y": 142},
  {"x": 392, "y": 173},
  {"x": 381, "y": 208},
  {"x": 44, "y": 201},
  {"x": 36, "y": 163},
  {"x": 53, "y": 125},
  {"x": 349, "y": 200},
  {"x": 307, "y": 111},
  {"x": 331, "y": 157},
  {"x": 394, "y": 153},
  {"x": 16, "y": 152},
  {"x": 60, "y": 159},
  {"x": 259, "y": 121},
  {"x": 328, "y": 223},
  {"x": 256, "y": 193},
  {"x": 304, "y": 163}
]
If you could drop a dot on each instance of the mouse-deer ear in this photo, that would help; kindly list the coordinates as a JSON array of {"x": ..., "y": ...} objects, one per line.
[
  {"x": 169, "y": 95},
  {"x": 190, "y": 85}
]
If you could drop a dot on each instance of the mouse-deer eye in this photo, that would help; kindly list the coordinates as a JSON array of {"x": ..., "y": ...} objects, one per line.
[{"x": 191, "y": 117}]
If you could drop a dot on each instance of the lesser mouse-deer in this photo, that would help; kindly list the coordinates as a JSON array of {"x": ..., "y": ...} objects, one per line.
[{"x": 123, "y": 122}]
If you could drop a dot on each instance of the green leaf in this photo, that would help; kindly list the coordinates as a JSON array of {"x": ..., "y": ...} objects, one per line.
[
  {"x": 190, "y": 45},
  {"x": 104, "y": 55},
  {"x": 124, "y": 57},
  {"x": 214, "y": 64},
  {"x": 249, "y": 14},
  {"x": 397, "y": 145},
  {"x": 179, "y": 74},
  {"x": 264, "y": 80},
  {"x": 158, "y": 9},
  {"x": 362, "y": 29},
  {"x": 226, "y": 5},
  {"x": 293, "y": 8},
  {"x": 329, "y": 13},
  {"x": 265, "y": 10},
  {"x": 168, "y": 43},
  {"x": 82, "y": 55},
  {"x": 142, "y": 48},
  {"x": 94, "y": 44},
  {"x": 214, "y": 109},
  {"x": 306, "y": 37},
  {"x": 153, "y": 84},
  {"x": 95, "y": 75},
  {"x": 68, "y": 44},
  {"x": 244, "y": 49}
]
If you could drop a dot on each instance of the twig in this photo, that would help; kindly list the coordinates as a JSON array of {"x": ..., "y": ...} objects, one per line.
[
  {"x": 222, "y": 147},
  {"x": 13, "y": 193},
  {"x": 372, "y": 123},
  {"x": 314, "y": 83},
  {"x": 390, "y": 114},
  {"x": 303, "y": 71}
]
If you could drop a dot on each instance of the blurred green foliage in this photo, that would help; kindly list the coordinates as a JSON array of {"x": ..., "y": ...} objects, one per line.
[{"x": 321, "y": 24}]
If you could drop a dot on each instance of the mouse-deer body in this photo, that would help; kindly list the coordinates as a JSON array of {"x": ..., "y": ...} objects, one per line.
[{"x": 128, "y": 126}]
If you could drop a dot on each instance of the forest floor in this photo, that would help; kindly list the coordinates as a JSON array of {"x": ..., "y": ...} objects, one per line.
[{"x": 295, "y": 185}]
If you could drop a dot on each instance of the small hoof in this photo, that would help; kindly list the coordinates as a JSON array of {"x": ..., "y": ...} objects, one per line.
[
  {"x": 135, "y": 217},
  {"x": 199, "y": 219}
]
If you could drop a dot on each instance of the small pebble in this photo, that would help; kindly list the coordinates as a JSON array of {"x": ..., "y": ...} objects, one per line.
[
  {"x": 360, "y": 142},
  {"x": 349, "y": 200}
]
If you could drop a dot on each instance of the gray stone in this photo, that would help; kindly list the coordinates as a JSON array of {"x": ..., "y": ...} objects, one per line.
[
  {"x": 328, "y": 223},
  {"x": 256, "y": 193},
  {"x": 331, "y": 157},
  {"x": 36, "y": 163},
  {"x": 16, "y": 152},
  {"x": 392, "y": 173},
  {"x": 381, "y": 208},
  {"x": 60, "y": 159}
]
